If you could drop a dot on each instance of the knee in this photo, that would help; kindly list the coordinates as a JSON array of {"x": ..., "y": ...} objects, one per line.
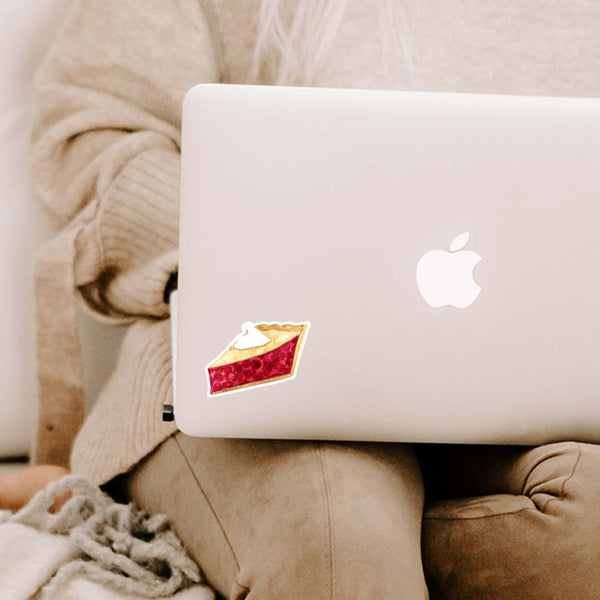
[
  {"x": 348, "y": 527},
  {"x": 563, "y": 482},
  {"x": 549, "y": 473}
]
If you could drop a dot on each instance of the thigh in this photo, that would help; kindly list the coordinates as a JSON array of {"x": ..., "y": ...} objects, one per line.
[{"x": 280, "y": 519}]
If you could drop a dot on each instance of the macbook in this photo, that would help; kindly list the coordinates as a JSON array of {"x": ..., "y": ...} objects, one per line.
[{"x": 388, "y": 265}]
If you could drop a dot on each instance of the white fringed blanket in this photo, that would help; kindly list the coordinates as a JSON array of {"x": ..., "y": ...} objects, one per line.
[{"x": 92, "y": 548}]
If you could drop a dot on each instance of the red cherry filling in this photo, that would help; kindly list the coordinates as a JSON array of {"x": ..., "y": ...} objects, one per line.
[{"x": 275, "y": 363}]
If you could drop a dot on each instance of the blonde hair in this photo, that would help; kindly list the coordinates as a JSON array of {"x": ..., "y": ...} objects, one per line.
[{"x": 293, "y": 50}]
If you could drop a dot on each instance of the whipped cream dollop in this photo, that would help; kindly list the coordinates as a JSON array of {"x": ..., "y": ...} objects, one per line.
[{"x": 250, "y": 337}]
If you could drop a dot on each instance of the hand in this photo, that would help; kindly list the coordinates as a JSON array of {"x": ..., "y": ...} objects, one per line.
[{"x": 17, "y": 488}]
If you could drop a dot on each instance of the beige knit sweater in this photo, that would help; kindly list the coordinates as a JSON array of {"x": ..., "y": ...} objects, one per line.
[{"x": 105, "y": 162}]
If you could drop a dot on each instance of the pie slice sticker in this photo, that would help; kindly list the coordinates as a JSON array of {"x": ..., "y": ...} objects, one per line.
[{"x": 264, "y": 353}]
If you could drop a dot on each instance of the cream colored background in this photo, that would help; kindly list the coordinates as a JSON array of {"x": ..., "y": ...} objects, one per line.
[{"x": 26, "y": 30}]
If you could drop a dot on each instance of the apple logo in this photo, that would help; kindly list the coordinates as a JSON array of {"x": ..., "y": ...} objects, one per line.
[{"x": 446, "y": 278}]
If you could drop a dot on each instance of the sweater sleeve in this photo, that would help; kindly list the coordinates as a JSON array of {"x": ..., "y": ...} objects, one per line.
[{"x": 106, "y": 138}]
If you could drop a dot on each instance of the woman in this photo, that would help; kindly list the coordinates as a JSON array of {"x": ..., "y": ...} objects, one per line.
[{"x": 277, "y": 519}]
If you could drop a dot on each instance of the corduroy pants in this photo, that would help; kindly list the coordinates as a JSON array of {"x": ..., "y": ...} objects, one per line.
[{"x": 304, "y": 520}]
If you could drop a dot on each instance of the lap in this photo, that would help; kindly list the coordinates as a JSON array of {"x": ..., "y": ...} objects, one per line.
[
  {"x": 302, "y": 519},
  {"x": 306, "y": 519}
]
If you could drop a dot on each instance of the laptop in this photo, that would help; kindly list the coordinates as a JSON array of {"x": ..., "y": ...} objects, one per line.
[{"x": 388, "y": 265}]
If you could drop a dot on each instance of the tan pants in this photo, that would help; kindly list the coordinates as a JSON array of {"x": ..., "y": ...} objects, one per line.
[{"x": 302, "y": 520}]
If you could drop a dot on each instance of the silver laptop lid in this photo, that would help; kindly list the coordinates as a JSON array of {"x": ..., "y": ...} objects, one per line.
[{"x": 377, "y": 265}]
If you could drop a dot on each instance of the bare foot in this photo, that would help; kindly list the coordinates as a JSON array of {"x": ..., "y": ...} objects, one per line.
[{"x": 16, "y": 489}]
